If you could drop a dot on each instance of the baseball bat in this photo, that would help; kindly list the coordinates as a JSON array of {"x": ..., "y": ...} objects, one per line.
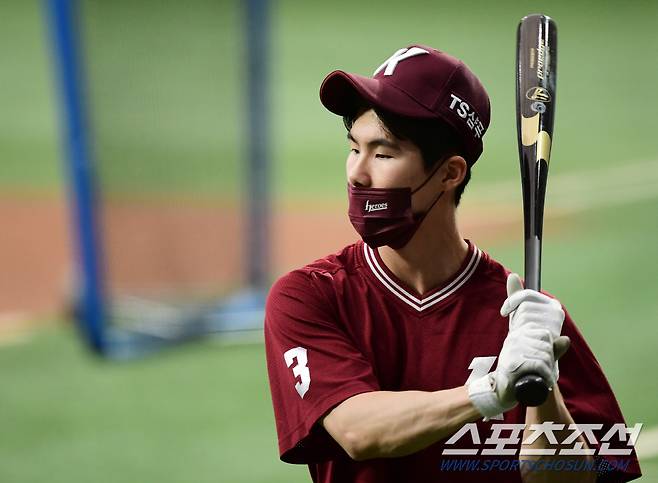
[{"x": 536, "y": 63}]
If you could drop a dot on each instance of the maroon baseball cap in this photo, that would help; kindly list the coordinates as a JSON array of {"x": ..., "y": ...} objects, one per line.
[{"x": 417, "y": 82}]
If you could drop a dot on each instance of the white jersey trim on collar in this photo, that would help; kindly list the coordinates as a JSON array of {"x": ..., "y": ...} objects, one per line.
[{"x": 410, "y": 299}]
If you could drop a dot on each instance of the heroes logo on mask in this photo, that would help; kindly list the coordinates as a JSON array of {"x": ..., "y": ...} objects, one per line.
[{"x": 376, "y": 206}]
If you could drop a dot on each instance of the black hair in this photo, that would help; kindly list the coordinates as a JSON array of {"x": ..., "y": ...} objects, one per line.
[{"x": 436, "y": 140}]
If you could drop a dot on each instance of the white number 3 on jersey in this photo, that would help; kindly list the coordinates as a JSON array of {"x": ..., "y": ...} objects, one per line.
[{"x": 300, "y": 370}]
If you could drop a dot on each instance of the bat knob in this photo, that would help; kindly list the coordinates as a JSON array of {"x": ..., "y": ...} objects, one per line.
[{"x": 531, "y": 390}]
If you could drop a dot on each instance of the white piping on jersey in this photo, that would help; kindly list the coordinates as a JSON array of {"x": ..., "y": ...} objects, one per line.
[{"x": 410, "y": 299}]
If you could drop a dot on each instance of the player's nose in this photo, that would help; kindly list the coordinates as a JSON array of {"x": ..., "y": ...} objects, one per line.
[{"x": 358, "y": 171}]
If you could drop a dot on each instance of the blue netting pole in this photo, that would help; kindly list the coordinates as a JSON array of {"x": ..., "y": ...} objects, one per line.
[
  {"x": 63, "y": 28},
  {"x": 258, "y": 144}
]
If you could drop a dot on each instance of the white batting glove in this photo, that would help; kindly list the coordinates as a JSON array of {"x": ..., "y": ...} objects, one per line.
[
  {"x": 526, "y": 306},
  {"x": 530, "y": 307},
  {"x": 526, "y": 350},
  {"x": 533, "y": 345}
]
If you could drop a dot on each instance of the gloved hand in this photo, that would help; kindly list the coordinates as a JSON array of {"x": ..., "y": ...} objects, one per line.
[
  {"x": 526, "y": 306},
  {"x": 533, "y": 345}
]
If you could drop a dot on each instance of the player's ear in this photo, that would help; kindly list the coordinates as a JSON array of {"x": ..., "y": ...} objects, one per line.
[{"x": 453, "y": 171}]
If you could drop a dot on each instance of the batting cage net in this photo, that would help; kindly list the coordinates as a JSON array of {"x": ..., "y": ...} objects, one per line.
[{"x": 165, "y": 244}]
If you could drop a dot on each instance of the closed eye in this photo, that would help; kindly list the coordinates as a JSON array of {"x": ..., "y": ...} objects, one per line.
[{"x": 383, "y": 156}]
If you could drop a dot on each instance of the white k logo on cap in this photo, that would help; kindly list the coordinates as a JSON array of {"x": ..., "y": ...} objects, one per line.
[{"x": 392, "y": 62}]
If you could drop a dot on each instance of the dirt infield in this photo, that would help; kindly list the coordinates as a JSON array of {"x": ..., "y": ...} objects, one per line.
[
  {"x": 151, "y": 247},
  {"x": 35, "y": 255}
]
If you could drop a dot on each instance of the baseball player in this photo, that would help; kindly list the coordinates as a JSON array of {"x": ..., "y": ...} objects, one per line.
[{"x": 381, "y": 354}]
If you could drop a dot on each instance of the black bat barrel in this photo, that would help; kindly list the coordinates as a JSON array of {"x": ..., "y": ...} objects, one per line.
[{"x": 535, "y": 106}]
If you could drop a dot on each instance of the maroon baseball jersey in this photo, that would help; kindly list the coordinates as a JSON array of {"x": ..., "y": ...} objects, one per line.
[{"x": 345, "y": 325}]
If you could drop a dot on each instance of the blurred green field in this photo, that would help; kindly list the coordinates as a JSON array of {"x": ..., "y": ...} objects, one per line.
[
  {"x": 198, "y": 413},
  {"x": 202, "y": 412},
  {"x": 174, "y": 122}
]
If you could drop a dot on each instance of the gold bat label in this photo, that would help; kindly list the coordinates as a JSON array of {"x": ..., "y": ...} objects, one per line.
[
  {"x": 530, "y": 134},
  {"x": 538, "y": 94}
]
